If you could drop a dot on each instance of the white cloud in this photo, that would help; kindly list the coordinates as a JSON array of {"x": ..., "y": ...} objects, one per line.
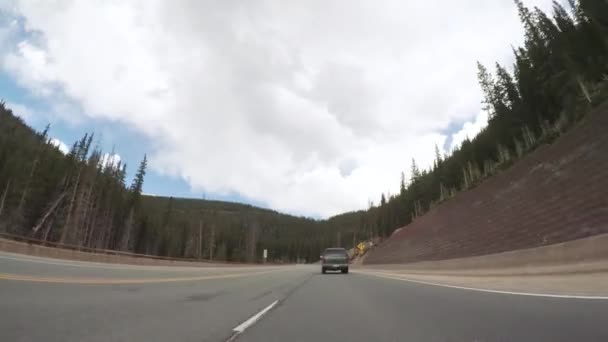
[
  {"x": 60, "y": 145},
  {"x": 469, "y": 129},
  {"x": 311, "y": 107},
  {"x": 8, "y": 25}
]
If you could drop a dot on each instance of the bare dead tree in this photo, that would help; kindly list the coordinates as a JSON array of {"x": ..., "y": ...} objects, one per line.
[
  {"x": 27, "y": 186},
  {"x": 66, "y": 226},
  {"x": 251, "y": 242},
  {"x": 200, "y": 239},
  {"x": 212, "y": 242},
  {"x": 48, "y": 212},
  {"x": 32, "y": 172},
  {"x": 49, "y": 225},
  {"x": 86, "y": 204},
  {"x": 126, "y": 236},
  {"x": 91, "y": 225},
  {"x": 4, "y": 194},
  {"x": 109, "y": 224}
]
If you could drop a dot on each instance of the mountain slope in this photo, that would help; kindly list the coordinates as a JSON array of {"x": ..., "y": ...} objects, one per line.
[{"x": 557, "y": 193}]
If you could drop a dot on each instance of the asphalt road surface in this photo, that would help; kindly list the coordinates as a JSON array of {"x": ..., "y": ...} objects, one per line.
[{"x": 54, "y": 300}]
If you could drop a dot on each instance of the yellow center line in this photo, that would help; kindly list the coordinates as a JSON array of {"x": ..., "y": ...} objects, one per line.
[{"x": 96, "y": 281}]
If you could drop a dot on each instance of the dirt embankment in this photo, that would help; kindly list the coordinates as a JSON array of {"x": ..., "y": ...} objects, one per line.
[{"x": 557, "y": 193}]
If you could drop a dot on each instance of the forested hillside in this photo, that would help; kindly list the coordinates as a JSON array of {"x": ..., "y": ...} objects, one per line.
[
  {"x": 237, "y": 232},
  {"x": 81, "y": 198}
]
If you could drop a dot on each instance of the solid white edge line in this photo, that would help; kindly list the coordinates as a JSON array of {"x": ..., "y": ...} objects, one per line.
[
  {"x": 486, "y": 290},
  {"x": 241, "y": 327}
]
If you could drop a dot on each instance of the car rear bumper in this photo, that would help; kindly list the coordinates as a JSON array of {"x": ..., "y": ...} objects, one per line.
[{"x": 336, "y": 267}]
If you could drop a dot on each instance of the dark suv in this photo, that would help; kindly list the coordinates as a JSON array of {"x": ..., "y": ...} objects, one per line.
[{"x": 334, "y": 259}]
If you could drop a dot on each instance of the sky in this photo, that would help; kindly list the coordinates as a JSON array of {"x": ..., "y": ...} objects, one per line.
[{"x": 312, "y": 108}]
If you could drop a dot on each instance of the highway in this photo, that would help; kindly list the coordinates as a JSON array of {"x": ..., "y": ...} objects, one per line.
[{"x": 57, "y": 300}]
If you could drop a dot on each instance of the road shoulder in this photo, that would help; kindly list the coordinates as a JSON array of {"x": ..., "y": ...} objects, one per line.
[{"x": 590, "y": 283}]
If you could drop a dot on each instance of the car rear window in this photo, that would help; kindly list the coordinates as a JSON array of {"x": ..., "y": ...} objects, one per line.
[{"x": 336, "y": 251}]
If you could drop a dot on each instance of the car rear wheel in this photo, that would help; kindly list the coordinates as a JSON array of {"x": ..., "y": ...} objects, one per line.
[
  {"x": 323, "y": 271},
  {"x": 345, "y": 270}
]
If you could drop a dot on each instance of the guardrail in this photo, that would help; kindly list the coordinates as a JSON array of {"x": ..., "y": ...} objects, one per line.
[{"x": 65, "y": 246}]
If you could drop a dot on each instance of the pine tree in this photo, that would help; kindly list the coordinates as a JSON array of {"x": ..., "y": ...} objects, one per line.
[
  {"x": 138, "y": 180},
  {"x": 437, "y": 156},
  {"x": 487, "y": 88},
  {"x": 415, "y": 172},
  {"x": 507, "y": 90}
]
